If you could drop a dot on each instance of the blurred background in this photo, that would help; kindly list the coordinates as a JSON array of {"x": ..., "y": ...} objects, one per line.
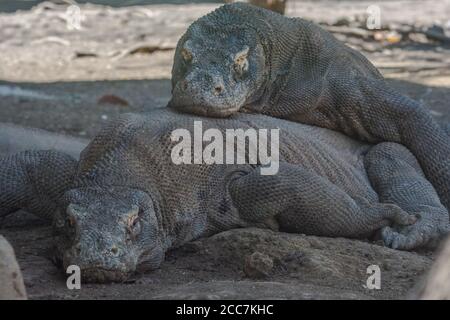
[
  {"x": 13, "y": 5},
  {"x": 68, "y": 66}
]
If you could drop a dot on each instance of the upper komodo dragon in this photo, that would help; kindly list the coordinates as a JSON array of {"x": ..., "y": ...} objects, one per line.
[
  {"x": 125, "y": 202},
  {"x": 244, "y": 58}
]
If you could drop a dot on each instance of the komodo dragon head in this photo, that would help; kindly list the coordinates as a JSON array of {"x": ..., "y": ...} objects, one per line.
[
  {"x": 109, "y": 233},
  {"x": 219, "y": 65}
]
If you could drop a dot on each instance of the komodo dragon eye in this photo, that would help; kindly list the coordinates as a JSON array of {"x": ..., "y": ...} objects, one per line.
[
  {"x": 186, "y": 54},
  {"x": 134, "y": 224},
  {"x": 241, "y": 62}
]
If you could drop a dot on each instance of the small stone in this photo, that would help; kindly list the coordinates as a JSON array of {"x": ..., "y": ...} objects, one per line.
[
  {"x": 258, "y": 265},
  {"x": 393, "y": 37},
  {"x": 274, "y": 5},
  {"x": 379, "y": 36},
  {"x": 418, "y": 37},
  {"x": 343, "y": 21},
  {"x": 112, "y": 99},
  {"x": 11, "y": 281},
  {"x": 317, "y": 244}
]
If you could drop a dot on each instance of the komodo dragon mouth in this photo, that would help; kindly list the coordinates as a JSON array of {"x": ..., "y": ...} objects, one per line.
[{"x": 206, "y": 111}]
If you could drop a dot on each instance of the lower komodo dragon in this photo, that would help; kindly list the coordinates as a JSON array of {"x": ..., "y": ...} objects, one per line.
[
  {"x": 244, "y": 58},
  {"x": 125, "y": 203}
]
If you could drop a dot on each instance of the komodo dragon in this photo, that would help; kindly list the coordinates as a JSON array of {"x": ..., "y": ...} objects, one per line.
[
  {"x": 241, "y": 57},
  {"x": 125, "y": 202}
]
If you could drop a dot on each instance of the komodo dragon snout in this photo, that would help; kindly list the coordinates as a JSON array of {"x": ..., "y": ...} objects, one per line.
[{"x": 108, "y": 233}]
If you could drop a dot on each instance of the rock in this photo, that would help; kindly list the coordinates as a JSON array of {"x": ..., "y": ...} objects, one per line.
[
  {"x": 342, "y": 21},
  {"x": 112, "y": 99},
  {"x": 388, "y": 37},
  {"x": 437, "y": 33},
  {"x": 274, "y": 5},
  {"x": 336, "y": 263},
  {"x": 436, "y": 286},
  {"x": 11, "y": 281},
  {"x": 258, "y": 265},
  {"x": 418, "y": 37},
  {"x": 393, "y": 37}
]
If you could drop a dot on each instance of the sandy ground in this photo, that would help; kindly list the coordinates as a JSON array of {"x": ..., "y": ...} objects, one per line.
[{"x": 72, "y": 81}]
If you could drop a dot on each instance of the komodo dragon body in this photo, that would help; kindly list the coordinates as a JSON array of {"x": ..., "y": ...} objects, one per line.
[
  {"x": 244, "y": 58},
  {"x": 125, "y": 203}
]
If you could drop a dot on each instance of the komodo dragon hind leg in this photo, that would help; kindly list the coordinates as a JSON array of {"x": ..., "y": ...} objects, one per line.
[
  {"x": 33, "y": 181},
  {"x": 398, "y": 178},
  {"x": 389, "y": 116},
  {"x": 304, "y": 202}
]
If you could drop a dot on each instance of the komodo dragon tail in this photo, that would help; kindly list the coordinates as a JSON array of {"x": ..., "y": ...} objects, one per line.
[
  {"x": 34, "y": 179},
  {"x": 14, "y": 139}
]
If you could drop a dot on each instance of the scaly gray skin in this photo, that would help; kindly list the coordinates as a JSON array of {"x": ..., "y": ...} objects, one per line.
[
  {"x": 244, "y": 58},
  {"x": 15, "y": 139},
  {"x": 126, "y": 203}
]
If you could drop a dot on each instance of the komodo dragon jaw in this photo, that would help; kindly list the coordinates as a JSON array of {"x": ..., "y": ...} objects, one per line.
[{"x": 109, "y": 233}]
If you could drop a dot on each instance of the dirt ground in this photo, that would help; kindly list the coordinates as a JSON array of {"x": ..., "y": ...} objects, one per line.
[{"x": 72, "y": 81}]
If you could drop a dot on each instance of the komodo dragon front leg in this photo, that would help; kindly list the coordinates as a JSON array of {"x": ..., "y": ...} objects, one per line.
[
  {"x": 303, "y": 202},
  {"x": 34, "y": 181},
  {"x": 397, "y": 177}
]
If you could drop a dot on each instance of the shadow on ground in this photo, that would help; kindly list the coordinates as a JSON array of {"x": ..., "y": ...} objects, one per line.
[{"x": 78, "y": 108}]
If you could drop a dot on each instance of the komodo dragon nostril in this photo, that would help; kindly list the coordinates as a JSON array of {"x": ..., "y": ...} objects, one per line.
[
  {"x": 218, "y": 89},
  {"x": 114, "y": 250}
]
